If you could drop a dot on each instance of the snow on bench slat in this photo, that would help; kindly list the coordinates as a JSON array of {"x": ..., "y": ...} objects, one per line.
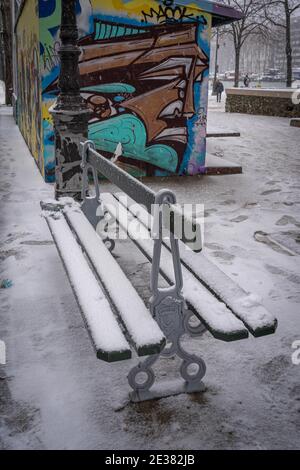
[
  {"x": 217, "y": 317},
  {"x": 106, "y": 334},
  {"x": 146, "y": 335},
  {"x": 244, "y": 305}
]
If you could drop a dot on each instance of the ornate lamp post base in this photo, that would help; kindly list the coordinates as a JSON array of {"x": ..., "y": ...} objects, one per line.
[
  {"x": 70, "y": 129},
  {"x": 70, "y": 113}
]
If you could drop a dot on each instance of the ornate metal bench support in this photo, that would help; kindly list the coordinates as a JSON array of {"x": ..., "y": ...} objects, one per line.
[
  {"x": 168, "y": 308},
  {"x": 91, "y": 205}
]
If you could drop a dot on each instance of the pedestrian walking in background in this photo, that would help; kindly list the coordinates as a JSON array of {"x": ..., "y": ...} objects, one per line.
[
  {"x": 247, "y": 81},
  {"x": 219, "y": 88}
]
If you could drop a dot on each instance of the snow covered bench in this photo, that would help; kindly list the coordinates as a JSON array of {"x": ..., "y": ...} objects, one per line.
[
  {"x": 226, "y": 310},
  {"x": 120, "y": 324},
  {"x": 88, "y": 261}
]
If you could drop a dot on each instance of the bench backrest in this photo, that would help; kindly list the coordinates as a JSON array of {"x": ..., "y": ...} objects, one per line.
[{"x": 183, "y": 226}]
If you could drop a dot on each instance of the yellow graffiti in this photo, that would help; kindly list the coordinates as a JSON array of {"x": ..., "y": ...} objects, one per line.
[
  {"x": 134, "y": 8},
  {"x": 29, "y": 92},
  {"x": 45, "y": 111}
]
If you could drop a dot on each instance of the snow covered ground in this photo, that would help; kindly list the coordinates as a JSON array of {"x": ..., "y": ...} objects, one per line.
[
  {"x": 2, "y": 93},
  {"x": 54, "y": 393}
]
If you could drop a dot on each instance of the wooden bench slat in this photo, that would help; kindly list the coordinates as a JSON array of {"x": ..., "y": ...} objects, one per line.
[
  {"x": 244, "y": 305},
  {"x": 144, "y": 331},
  {"x": 146, "y": 196},
  {"x": 109, "y": 342},
  {"x": 218, "y": 319},
  {"x": 255, "y": 316}
]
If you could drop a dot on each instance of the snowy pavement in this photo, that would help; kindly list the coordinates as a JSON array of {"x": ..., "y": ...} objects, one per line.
[
  {"x": 55, "y": 394},
  {"x": 2, "y": 93}
]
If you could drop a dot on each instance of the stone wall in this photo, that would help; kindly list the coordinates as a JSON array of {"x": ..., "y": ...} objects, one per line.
[
  {"x": 295, "y": 122},
  {"x": 262, "y": 101}
]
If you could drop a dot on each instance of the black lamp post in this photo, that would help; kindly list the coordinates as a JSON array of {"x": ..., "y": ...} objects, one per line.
[{"x": 70, "y": 112}]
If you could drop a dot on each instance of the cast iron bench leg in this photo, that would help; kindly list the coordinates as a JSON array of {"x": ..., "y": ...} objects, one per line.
[{"x": 168, "y": 308}]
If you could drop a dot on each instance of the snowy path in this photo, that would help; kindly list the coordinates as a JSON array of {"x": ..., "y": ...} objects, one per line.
[
  {"x": 54, "y": 393},
  {"x": 2, "y": 93}
]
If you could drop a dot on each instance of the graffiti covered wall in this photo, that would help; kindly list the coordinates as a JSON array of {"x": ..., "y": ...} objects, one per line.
[
  {"x": 144, "y": 75},
  {"x": 29, "y": 89}
]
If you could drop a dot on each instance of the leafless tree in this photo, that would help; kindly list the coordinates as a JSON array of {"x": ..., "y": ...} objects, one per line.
[
  {"x": 253, "y": 23},
  {"x": 279, "y": 13},
  {"x": 216, "y": 35},
  {"x": 5, "y": 12}
]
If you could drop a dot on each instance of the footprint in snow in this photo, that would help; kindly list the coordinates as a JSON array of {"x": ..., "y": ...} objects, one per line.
[
  {"x": 270, "y": 191},
  {"x": 223, "y": 255},
  {"x": 273, "y": 370},
  {"x": 240, "y": 218},
  {"x": 227, "y": 202},
  {"x": 287, "y": 219},
  {"x": 208, "y": 212},
  {"x": 213, "y": 246},
  {"x": 272, "y": 182},
  {"x": 291, "y": 277}
]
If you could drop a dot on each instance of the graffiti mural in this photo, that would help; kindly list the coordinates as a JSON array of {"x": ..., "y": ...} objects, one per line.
[
  {"x": 29, "y": 94},
  {"x": 169, "y": 13},
  {"x": 146, "y": 92},
  {"x": 144, "y": 74}
]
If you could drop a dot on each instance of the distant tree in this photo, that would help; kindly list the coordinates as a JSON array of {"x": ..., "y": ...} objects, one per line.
[
  {"x": 253, "y": 23},
  {"x": 279, "y": 13},
  {"x": 5, "y": 12},
  {"x": 216, "y": 35}
]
